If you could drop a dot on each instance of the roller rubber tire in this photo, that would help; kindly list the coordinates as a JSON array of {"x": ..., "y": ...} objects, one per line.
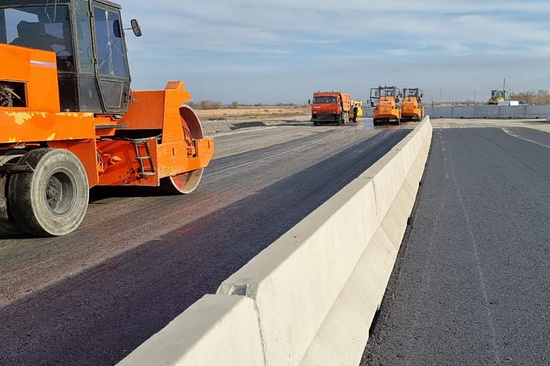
[{"x": 53, "y": 199}]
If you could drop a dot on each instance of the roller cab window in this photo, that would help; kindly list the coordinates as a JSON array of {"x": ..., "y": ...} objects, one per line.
[
  {"x": 40, "y": 27},
  {"x": 110, "y": 45}
]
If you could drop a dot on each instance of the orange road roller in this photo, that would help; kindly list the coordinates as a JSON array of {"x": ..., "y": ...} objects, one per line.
[
  {"x": 69, "y": 120},
  {"x": 385, "y": 100}
]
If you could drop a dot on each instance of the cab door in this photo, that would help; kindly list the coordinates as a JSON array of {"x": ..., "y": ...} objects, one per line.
[{"x": 111, "y": 63}]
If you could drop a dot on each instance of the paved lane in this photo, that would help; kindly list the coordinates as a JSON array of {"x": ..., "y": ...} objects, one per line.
[
  {"x": 471, "y": 286},
  {"x": 140, "y": 259}
]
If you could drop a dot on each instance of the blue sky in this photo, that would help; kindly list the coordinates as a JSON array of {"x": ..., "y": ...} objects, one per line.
[{"x": 282, "y": 51}]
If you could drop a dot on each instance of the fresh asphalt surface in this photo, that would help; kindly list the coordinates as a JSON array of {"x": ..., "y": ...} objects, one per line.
[
  {"x": 140, "y": 259},
  {"x": 472, "y": 282}
]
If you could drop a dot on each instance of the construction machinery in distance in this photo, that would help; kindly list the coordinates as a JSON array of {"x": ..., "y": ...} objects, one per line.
[
  {"x": 497, "y": 96},
  {"x": 69, "y": 120},
  {"x": 330, "y": 107},
  {"x": 411, "y": 108},
  {"x": 385, "y": 100}
]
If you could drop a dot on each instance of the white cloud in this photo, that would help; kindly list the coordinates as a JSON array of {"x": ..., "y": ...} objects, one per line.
[{"x": 308, "y": 39}]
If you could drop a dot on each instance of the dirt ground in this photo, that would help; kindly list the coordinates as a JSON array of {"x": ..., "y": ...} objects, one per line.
[{"x": 252, "y": 112}]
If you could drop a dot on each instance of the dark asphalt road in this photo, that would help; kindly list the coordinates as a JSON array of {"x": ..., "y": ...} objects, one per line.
[
  {"x": 472, "y": 281},
  {"x": 140, "y": 259}
]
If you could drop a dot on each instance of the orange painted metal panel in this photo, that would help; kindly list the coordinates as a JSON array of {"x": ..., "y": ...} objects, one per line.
[
  {"x": 387, "y": 109},
  {"x": 18, "y": 127},
  {"x": 121, "y": 164},
  {"x": 146, "y": 111},
  {"x": 149, "y": 109},
  {"x": 37, "y": 69},
  {"x": 411, "y": 108}
]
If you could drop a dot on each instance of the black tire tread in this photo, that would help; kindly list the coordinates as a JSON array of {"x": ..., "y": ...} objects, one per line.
[{"x": 24, "y": 188}]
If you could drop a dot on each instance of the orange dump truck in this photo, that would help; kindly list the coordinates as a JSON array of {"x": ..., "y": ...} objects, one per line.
[
  {"x": 385, "y": 100},
  {"x": 330, "y": 107},
  {"x": 69, "y": 120},
  {"x": 411, "y": 109}
]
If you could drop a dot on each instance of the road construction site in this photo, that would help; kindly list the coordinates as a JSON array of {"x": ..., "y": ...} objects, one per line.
[
  {"x": 133, "y": 233},
  {"x": 115, "y": 283}
]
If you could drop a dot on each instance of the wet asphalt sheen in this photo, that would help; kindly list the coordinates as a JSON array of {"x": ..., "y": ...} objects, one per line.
[{"x": 472, "y": 282}]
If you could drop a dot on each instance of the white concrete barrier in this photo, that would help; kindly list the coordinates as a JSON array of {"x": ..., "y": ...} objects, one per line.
[
  {"x": 537, "y": 111},
  {"x": 439, "y": 112},
  {"x": 463, "y": 112},
  {"x": 512, "y": 112},
  {"x": 490, "y": 112},
  {"x": 214, "y": 331},
  {"x": 487, "y": 111},
  {"x": 310, "y": 297},
  {"x": 298, "y": 280}
]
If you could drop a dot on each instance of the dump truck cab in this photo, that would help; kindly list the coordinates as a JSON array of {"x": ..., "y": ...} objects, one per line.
[
  {"x": 411, "y": 109},
  {"x": 385, "y": 101},
  {"x": 330, "y": 107},
  {"x": 88, "y": 40}
]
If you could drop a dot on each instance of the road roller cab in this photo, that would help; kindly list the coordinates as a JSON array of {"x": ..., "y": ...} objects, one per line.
[{"x": 69, "y": 120}]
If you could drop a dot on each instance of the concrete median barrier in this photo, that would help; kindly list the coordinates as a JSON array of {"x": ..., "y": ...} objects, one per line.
[
  {"x": 537, "y": 111},
  {"x": 487, "y": 111},
  {"x": 490, "y": 112},
  {"x": 439, "y": 112},
  {"x": 512, "y": 112},
  {"x": 463, "y": 112},
  {"x": 310, "y": 297},
  {"x": 214, "y": 331}
]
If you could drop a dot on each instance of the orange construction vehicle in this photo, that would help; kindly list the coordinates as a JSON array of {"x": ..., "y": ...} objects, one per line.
[
  {"x": 385, "y": 100},
  {"x": 411, "y": 109},
  {"x": 330, "y": 107},
  {"x": 69, "y": 121}
]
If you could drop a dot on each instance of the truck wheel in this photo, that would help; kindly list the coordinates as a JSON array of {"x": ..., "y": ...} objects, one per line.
[
  {"x": 51, "y": 200},
  {"x": 183, "y": 183}
]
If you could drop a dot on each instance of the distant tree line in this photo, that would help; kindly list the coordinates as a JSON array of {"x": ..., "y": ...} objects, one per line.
[
  {"x": 542, "y": 97},
  {"x": 211, "y": 104},
  {"x": 206, "y": 104}
]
